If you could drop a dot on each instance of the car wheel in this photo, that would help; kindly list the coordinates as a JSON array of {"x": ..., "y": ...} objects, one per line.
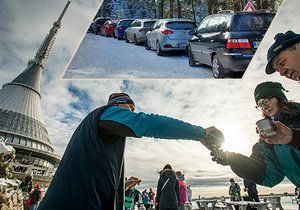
[
  {"x": 135, "y": 40},
  {"x": 192, "y": 62},
  {"x": 217, "y": 68},
  {"x": 126, "y": 40},
  {"x": 105, "y": 34},
  {"x": 146, "y": 45},
  {"x": 159, "y": 52},
  {"x": 118, "y": 37}
]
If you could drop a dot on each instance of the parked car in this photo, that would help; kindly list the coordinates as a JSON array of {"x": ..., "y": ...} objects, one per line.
[
  {"x": 228, "y": 41},
  {"x": 137, "y": 30},
  {"x": 108, "y": 28},
  {"x": 169, "y": 35},
  {"x": 97, "y": 24},
  {"x": 121, "y": 26}
]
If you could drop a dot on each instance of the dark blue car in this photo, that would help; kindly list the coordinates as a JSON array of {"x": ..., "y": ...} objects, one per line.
[
  {"x": 122, "y": 25},
  {"x": 227, "y": 41}
]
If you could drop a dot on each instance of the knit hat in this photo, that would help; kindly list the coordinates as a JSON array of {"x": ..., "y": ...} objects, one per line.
[
  {"x": 119, "y": 98},
  {"x": 266, "y": 89},
  {"x": 282, "y": 41}
]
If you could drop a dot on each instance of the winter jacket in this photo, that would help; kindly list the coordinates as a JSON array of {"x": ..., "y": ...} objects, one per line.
[
  {"x": 35, "y": 196},
  {"x": 235, "y": 192},
  {"x": 91, "y": 172},
  {"x": 270, "y": 163},
  {"x": 182, "y": 193},
  {"x": 167, "y": 196}
]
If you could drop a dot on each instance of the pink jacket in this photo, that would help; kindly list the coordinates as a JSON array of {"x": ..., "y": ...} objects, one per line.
[{"x": 182, "y": 193}]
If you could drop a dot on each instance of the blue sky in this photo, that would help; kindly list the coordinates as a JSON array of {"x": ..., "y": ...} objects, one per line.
[{"x": 227, "y": 104}]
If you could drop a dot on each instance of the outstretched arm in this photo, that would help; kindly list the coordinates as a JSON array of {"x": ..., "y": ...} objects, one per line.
[
  {"x": 122, "y": 122},
  {"x": 261, "y": 167}
]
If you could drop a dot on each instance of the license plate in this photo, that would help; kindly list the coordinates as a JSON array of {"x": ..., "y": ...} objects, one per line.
[
  {"x": 256, "y": 44},
  {"x": 182, "y": 45}
]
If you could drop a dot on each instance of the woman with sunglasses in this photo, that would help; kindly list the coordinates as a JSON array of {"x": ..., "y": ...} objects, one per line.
[{"x": 269, "y": 163}]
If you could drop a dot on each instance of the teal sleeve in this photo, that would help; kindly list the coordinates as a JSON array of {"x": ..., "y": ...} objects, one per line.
[
  {"x": 262, "y": 166},
  {"x": 151, "y": 125}
]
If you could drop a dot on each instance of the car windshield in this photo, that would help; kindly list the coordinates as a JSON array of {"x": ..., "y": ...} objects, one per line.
[
  {"x": 148, "y": 24},
  {"x": 252, "y": 22},
  {"x": 125, "y": 23},
  {"x": 181, "y": 25}
]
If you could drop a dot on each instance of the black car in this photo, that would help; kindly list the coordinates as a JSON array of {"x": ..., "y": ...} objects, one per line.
[
  {"x": 227, "y": 41},
  {"x": 97, "y": 24}
]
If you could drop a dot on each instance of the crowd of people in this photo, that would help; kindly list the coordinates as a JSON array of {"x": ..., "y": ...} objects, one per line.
[
  {"x": 172, "y": 192},
  {"x": 32, "y": 194}
]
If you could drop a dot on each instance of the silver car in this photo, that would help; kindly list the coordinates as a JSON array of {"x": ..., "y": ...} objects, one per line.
[
  {"x": 136, "y": 32},
  {"x": 169, "y": 35}
]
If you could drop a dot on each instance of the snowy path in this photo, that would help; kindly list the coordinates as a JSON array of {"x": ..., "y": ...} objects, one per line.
[{"x": 102, "y": 57}]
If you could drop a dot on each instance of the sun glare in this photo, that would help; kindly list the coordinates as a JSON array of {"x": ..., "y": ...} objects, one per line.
[{"x": 235, "y": 141}]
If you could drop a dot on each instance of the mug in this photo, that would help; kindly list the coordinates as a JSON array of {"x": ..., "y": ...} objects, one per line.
[{"x": 266, "y": 127}]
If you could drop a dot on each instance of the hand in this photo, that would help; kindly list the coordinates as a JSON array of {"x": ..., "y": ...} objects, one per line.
[
  {"x": 284, "y": 135},
  {"x": 131, "y": 182},
  {"x": 213, "y": 139},
  {"x": 220, "y": 157}
]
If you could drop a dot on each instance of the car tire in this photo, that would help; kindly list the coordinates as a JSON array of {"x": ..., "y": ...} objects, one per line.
[
  {"x": 159, "y": 52},
  {"x": 191, "y": 59},
  {"x": 146, "y": 45},
  {"x": 126, "y": 40},
  {"x": 135, "y": 40},
  {"x": 105, "y": 34},
  {"x": 217, "y": 68},
  {"x": 118, "y": 37}
]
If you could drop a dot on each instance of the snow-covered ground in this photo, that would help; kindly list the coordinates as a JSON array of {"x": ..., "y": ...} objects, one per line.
[{"x": 106, "y": 57}]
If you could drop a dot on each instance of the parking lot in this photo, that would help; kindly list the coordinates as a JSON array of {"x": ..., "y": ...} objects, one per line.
[{"x": 105, "y": 57}]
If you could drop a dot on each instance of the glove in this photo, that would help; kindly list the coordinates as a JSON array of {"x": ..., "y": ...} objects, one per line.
[
  {"x": 220, "y": 157},
  {"x": 213, "y": 139}
]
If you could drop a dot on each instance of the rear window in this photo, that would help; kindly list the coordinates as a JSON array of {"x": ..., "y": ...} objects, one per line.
[
  {"x": 252, "y": 22},
  {"x": 149, "y": 24},
  {"x": 126, "y": 23},
  {"x": 181, "y": 25},
  {"x": 102, "y": 21}
]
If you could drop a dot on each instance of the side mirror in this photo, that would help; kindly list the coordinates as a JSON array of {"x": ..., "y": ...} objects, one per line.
[{"x": 192, "y": 32}]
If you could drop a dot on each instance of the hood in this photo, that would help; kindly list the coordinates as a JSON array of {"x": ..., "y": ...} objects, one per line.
[{"x": 169, "y": 173}]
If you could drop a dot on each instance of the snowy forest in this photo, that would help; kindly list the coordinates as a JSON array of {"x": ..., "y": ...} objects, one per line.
[{"x": 192, "y": 9}]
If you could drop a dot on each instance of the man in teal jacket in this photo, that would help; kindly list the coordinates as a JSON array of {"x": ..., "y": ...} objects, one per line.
[{"x": 91, "y": 172}]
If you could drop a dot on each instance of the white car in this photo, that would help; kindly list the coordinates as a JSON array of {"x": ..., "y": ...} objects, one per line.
[
  {"x": 136, "y": 32},
  {"x": 169, "y": 35}
]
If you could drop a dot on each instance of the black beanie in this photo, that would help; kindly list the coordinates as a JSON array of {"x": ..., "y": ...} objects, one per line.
[
  {"x": 119, "y": 98},
  {"x": 266, "y": 89}
]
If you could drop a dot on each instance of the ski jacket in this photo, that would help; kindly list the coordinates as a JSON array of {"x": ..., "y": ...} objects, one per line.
[
  {"x": 167, "y": 190},
  {"x": 91, "y": 172},
  {"x": 270, "y": 163},
  {"x": 182, "y": 193},
  {"x": 235, "y": 192}
]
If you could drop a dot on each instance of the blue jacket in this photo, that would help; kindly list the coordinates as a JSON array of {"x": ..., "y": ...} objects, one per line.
[
  {"x": 269, "y": 164},
  {"x": 91, "y": 172}
]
